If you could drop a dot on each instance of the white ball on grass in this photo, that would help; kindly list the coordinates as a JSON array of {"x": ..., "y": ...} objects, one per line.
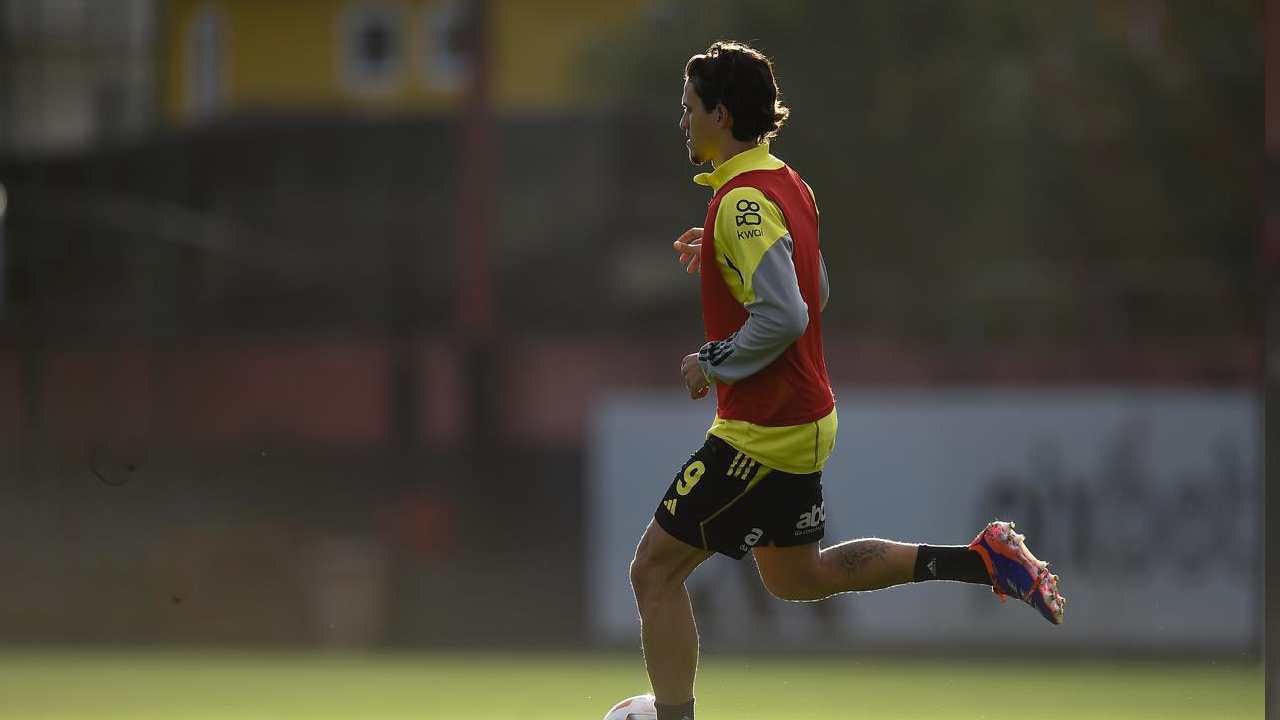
[{"x": 639, "y": 707}]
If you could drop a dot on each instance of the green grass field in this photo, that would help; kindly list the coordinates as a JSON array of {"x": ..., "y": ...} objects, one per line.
[{"x": 170, "y": 685}]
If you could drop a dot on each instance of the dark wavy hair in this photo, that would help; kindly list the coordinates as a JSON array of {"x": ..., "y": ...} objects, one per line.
[{"x": 741, "y": 77}]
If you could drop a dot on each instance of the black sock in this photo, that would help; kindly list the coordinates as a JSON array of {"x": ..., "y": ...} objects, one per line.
[
  {"x": 675, "y": 712},
  {"x": 950, "y": 562}
]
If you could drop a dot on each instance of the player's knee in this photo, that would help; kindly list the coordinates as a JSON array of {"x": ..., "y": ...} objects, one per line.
[
  {"x": 650, "y": 583},
  {"x": 648, "y": 575},
  {"x": 639, "y": 574},
  {"x": 653, "y": 576}
]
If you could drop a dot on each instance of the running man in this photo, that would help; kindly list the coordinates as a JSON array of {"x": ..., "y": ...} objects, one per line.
[{"x": 755, "y": 485}]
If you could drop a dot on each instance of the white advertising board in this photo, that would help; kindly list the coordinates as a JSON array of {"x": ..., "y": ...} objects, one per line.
[{"x": 1146, "y": 502}]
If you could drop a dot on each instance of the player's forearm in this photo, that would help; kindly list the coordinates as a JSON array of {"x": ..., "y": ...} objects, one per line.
[
  {"x": 777, "y": 316},
  {"x": 766, "y": 334},
  {"x": 824, "y": 290}
]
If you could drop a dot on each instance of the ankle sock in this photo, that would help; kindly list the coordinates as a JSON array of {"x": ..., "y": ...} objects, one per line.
[
  {"x": 950, "y": 562},
  {"x": 675, "y": 712}
]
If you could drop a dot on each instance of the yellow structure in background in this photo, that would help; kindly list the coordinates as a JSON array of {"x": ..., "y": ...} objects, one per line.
[{"x": 233, "y": 57}]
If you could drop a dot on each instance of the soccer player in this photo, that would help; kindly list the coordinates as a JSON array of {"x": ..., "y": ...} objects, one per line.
[{"x": 755, "y": 485}]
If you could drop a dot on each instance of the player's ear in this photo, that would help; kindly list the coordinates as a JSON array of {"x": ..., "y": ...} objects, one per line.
[{"x": 723, "y": 118}]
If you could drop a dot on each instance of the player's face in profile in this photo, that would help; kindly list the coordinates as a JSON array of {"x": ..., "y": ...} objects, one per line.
[{"x": 697, "y": 124}]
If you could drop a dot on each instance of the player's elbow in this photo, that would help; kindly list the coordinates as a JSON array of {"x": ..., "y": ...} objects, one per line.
[{"x": 797, "y": 321}]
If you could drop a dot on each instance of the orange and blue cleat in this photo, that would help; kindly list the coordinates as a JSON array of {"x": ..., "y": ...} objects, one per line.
[{"x": 1015, "y": 571}]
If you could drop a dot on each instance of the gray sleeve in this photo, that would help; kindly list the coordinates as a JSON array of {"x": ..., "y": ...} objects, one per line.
[
  {"x": 824, "y": 291},
  {"x": 776, "y": 318}
]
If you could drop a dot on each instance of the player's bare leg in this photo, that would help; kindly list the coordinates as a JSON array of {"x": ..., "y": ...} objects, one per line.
[
  {"x": 998, "y": 557},
  {"x": 667, "y": 630},
  {"x": 804, "y": 572}
]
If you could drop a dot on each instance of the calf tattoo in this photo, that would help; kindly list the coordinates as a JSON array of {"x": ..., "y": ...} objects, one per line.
[{"x": 856, "y": 557}]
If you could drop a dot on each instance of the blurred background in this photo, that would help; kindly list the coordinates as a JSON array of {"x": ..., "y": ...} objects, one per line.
[{"x": 354, "y": 324}]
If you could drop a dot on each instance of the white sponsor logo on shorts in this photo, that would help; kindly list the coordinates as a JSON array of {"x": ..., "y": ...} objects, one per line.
[
  {"x": 812, "y": 520},
  {"x": 751, "y": 539}
]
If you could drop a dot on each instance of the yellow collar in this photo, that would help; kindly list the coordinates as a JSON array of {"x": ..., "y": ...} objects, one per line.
[{"x": 757, "y": 158}]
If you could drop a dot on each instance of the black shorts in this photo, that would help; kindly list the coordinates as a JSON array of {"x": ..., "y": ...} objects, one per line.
[{"x": 725, "y": 502}]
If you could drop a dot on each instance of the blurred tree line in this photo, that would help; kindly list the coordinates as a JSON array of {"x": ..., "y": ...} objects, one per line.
[
  {"x": 1002, "y": 170},
  {"x": 1061, "y": 174}
]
